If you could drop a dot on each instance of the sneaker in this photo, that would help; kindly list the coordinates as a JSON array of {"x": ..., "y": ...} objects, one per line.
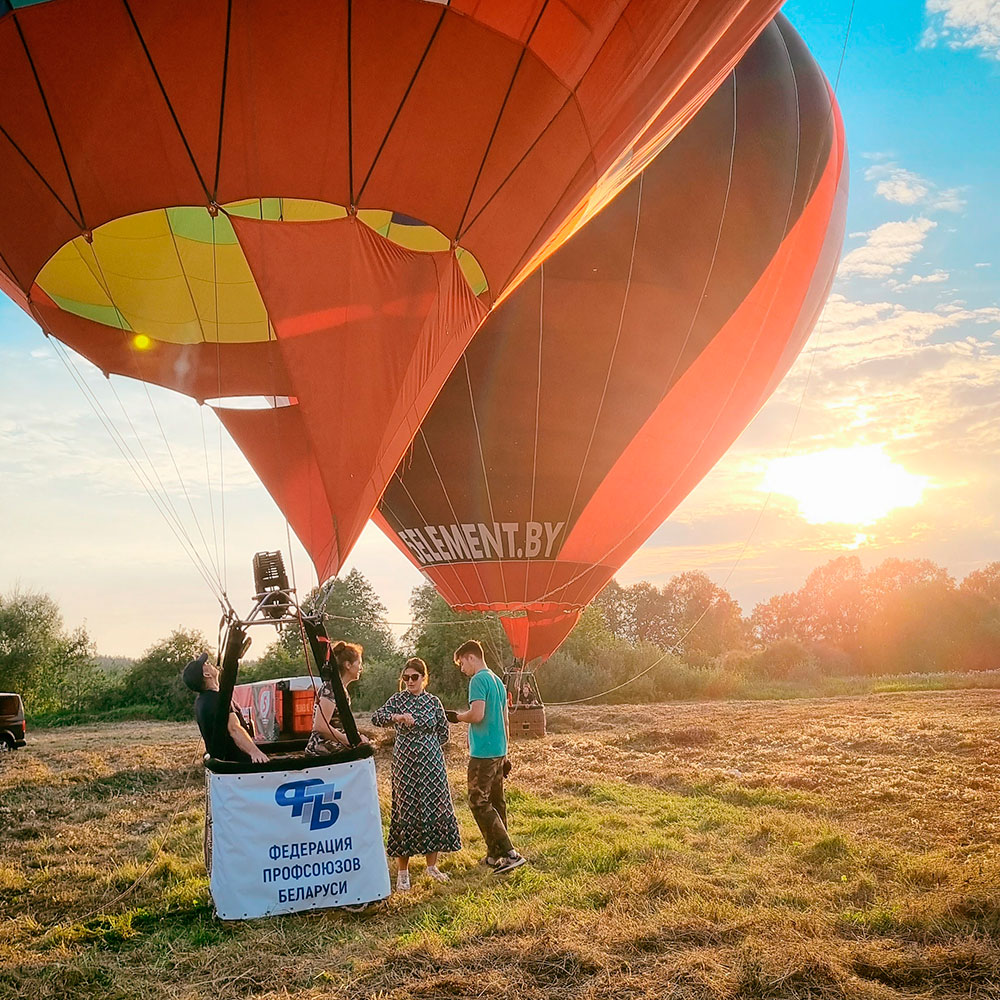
[
  {"x": 508, "y": 863},
  {"x": 402, "y": 881},
  {"x": 436, "y": 874}
]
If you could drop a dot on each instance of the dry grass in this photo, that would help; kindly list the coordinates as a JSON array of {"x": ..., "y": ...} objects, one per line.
[{"x": 824, "y": 848}]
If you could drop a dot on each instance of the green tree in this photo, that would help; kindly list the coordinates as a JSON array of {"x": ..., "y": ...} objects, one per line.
[
  {"x": 617, "y": 606},
  {"x": 82, "y": 682},
  {"x": 701, "y": 618},
  {"x": 353, "y": 611},
  {"x": 155, "y": 680},
  {"x": 36, "y": 654},
  {"x": 893, "y": 576},
  {"x": 590, "y": 636},
  {"x": 831, "y": 604},
  {"x": 437, "y": 631},
  {"x": 985, "y": 582},
  {"x": 276, "y": 662},
  {"x": 776, "y": 619}
]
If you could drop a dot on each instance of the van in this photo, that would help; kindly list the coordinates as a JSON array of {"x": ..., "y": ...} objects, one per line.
[{"x": 12, "y": 728}]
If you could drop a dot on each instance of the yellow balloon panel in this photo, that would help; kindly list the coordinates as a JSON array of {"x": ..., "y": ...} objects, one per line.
[{"x": 179, "y": 274}]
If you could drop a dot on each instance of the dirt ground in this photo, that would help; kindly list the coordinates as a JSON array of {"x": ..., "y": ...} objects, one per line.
[{"x": 842, "y": 847}]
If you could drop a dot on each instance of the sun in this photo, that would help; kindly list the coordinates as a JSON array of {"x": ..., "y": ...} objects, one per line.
[{"x": 854, "y": 486}]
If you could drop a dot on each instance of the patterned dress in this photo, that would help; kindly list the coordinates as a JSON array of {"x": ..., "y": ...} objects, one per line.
[
  {"x": 319, "y": 742},
  {"x": 423, "y": 818}
]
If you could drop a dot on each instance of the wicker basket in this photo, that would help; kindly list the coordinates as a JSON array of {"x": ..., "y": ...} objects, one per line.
[{"x": 527, "y": 723}]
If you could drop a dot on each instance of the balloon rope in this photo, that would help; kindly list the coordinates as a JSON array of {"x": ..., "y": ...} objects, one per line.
[
  {"x": 164, "y": 496},
  {"x": 218, "y": 349},
  {"x": 201, "y": 328},
  {"x": 119, "y": 441},
  {"x": 137, "y": 361}
]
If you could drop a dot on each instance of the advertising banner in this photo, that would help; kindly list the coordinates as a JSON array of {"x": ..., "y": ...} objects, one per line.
[{"x": 285, "y": 841}]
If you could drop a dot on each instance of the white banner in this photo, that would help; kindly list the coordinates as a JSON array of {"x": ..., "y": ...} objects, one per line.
[{"x": 285, "y": 841}]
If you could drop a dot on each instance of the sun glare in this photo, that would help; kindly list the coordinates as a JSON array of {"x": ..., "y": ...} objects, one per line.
[{"x": 845, "y": 485}]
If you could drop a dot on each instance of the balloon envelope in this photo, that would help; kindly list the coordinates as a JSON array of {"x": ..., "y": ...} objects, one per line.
[
  {"x": 611, "y": 380},
  {"x": 301, "y": 200}
]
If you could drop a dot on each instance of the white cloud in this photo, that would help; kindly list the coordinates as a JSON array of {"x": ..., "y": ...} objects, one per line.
[
  {"x": 933, "y": 278},
  {"x": 904, "y": 187},
  {"x": 888, "y": 248},
  {"x": 964, "y": 24},
  {"x": 896, "y": 184}
]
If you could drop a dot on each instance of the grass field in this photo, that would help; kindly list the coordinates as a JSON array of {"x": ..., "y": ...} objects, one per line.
[{"x": 827, "y": 848}]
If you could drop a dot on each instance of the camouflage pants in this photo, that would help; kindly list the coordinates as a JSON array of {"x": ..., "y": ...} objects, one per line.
[{"x": 487, "y": 803}]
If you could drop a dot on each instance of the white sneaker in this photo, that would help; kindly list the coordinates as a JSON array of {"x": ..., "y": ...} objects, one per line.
[
  {"x": 402, "y": 881},
  {"x": 436, "y": 874},
  {"x": 508, "y": 863}
]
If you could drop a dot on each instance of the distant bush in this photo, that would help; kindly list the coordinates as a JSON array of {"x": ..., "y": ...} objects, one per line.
[
  {"x": 155, "y": 679},
  {"x": 125, "y": 713},
  {"x": 786, "y": 659},
  {"x": 650, "y": 675},
  {"x": 379, "y": 680}
]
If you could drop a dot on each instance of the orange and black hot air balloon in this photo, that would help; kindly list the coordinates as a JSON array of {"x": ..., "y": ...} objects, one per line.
[
  {"x": 317, "y": 200},
  {"x": 612, "y": 379}
]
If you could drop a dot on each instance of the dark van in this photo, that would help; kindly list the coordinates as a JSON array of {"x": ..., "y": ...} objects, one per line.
[{"x": 11, "y": 722}]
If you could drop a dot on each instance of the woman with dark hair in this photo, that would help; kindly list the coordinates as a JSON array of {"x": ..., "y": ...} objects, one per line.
[
  {"x": 423, "y": 818},
  {"x": 327, "y": 734}
]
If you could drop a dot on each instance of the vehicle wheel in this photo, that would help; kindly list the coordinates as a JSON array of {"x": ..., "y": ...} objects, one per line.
[{"x": 7, "y": 745}]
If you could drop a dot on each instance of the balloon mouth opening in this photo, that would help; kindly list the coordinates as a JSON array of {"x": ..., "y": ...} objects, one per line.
[
  {"x": 178, "y": 275},
  {"x": 251, "y": 402}
]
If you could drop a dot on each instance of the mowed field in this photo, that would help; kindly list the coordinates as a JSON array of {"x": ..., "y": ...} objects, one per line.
[{"x": 827, "y": 848}]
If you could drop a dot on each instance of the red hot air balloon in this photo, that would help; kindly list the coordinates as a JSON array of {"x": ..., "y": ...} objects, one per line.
[
  {"x": 610, "y": 381},
  {"x": 319, "y": 200}
]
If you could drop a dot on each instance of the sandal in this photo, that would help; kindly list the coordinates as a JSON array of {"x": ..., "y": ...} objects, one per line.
[
  {"x": 402, "y": 881},
  {"x": 436, "y": 874}
]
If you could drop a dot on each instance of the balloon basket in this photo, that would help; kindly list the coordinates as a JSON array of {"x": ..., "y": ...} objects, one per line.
[
  {"x": 298, "y": 833},
  {"x": 527, "y": 723}
]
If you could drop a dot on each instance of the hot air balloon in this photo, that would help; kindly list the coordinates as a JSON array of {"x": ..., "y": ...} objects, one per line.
[
  {"x": 612, "y": 379},
  {"x": 248, "y": 198}
]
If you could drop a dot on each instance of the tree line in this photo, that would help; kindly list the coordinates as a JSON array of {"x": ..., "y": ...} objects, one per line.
[{"x": 688, "y": 638}]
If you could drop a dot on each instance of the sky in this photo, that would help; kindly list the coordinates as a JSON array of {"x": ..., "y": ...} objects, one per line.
[{"x": 883, "y": 439}]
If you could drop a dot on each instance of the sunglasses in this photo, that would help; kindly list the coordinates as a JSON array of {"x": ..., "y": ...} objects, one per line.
[{"x": 413, "y": 677}]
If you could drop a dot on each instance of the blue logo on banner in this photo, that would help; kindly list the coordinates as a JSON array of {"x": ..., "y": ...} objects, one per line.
[{"x": 312, "y": 802}]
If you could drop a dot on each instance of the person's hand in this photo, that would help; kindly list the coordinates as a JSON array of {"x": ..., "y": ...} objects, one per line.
[
  {"x": 451, "y": 716},
  {"x": 506, "y": 766},
  {"x": 364, "y": 739},
  {"x": 258, "y": 757},
  {"x": 407, "y": 719}
]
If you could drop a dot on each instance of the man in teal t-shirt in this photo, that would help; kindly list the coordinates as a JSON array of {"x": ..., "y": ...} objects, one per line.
[{"x": 487, "y": 719}]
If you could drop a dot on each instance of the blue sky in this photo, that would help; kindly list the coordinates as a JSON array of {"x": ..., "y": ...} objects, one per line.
[{"x": 905, "y": 363}]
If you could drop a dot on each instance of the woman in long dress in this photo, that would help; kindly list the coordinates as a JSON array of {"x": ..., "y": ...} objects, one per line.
[{"x": 423, "y": 818}]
